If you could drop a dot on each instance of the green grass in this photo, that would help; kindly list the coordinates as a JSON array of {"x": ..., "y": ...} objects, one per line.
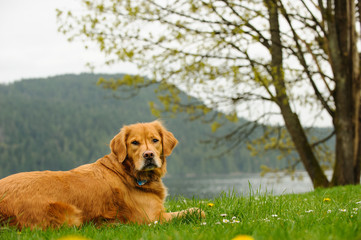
[{"x": 262, "y": 216}]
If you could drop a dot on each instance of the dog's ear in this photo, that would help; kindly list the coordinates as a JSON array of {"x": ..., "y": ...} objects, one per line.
[
  {"x": 168, "y": 139},
  {"x": 169, "y": 142},
  {"x": 118, "y": 144}
]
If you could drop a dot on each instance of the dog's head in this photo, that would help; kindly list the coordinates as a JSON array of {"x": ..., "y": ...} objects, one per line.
[{"x": 142, "y": 148}]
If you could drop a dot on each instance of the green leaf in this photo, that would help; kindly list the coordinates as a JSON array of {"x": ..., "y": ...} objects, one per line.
[
  {"x": 232, "y": 117},
  {"x": 215, "y": 126}
]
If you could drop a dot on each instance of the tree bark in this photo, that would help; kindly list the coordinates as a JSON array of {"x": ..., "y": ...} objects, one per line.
[
  {"x": 356, "y": 91},
  {"x": 343, "y": 51},
  {"x": 291, "y": 119}
]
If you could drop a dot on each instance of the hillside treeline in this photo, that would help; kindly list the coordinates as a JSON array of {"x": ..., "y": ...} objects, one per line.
[{"x": 64, "y": 121}]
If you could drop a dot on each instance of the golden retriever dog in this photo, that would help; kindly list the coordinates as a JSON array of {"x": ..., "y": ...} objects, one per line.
[{"x": 122, "y": 187}]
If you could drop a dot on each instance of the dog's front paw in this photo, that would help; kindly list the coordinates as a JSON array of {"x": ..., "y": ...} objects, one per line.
[{"x": 197, "y": 211}]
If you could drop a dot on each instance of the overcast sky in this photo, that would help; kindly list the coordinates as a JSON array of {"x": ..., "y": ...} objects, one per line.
[{"x": 30, "y": 45}]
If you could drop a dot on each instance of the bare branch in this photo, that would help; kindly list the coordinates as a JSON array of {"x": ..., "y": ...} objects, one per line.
[{"x": 302, "y": 60}]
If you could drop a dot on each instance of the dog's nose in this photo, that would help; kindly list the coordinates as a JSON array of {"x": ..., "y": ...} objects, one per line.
[{"x": 148, "y": 154}]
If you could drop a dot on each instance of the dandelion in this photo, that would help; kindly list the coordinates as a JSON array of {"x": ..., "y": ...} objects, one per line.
[
  {"x": 225, "y": 221},
  {"x": 342, "y": 210},
  {"x": 210, "y": 204},
  {"x": 243, "y": 237},
  {"x": 223, "y": 215},
  {"x": 73, "y": 237},
  {"x": 327, "y": 199}
]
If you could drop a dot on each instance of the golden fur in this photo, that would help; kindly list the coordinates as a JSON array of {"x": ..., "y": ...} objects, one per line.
[{"x": 108, "y": 190}]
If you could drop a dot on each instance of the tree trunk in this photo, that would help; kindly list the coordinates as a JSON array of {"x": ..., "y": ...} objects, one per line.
[
  {"x": 344, "y": 56},
  {"x": 357, "y": 162},
  {"x": 291, "y": 119}
]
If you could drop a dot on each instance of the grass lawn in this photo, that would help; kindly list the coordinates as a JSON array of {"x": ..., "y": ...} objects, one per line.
[{"x": 323, "y": 214}]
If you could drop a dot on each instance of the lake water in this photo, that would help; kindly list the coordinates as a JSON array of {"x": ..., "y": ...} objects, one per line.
[{"x": 210, "y": 187}]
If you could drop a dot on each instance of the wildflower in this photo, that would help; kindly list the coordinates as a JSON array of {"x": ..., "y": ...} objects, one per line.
[
  {"x": 217, "y": 223},
  {"x": 274, "y": 215},
  {"x": 342, "y": 210},
  {"x": 233, "y": 218},
  {"x": 358, "y": 202},
  {"x": 309, "y": 211},
  {"x": 154, "y": 223},
  {"x": 329, "y": 211},
  {"x": 210, "y": 204},
  {"x": 243, "y": 237},
  {"x": 225, "y": 221},
  {"x": 235, "y": 221},
  {"x": 327, "y": 199},
  {"x": 223, "y": 215},
  {"x": 203, "y": 223},
  {"x": 355, "y": 209}
]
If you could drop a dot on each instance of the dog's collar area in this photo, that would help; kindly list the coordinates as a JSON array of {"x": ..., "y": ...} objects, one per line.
[{"x": 141, "y": 182}]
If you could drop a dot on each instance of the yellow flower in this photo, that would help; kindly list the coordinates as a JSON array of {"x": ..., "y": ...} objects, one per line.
[
  {"x": 73, "y": 237},
  {"x": 327, "y": 199},
  {"x": 243, "y": 237},
  {"x": 210, "y": 204}
]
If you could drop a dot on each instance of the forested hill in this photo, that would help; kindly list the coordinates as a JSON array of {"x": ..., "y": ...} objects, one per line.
[{"x": 61, "y": 122}]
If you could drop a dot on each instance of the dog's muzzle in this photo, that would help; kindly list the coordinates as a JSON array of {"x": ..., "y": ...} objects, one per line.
[{"x": 149, "y": 162}]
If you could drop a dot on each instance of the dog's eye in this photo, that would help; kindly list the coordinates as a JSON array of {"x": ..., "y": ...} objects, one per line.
[
  {"x": 135, "y": 143},
  {"x": 155, "y": 140}
]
